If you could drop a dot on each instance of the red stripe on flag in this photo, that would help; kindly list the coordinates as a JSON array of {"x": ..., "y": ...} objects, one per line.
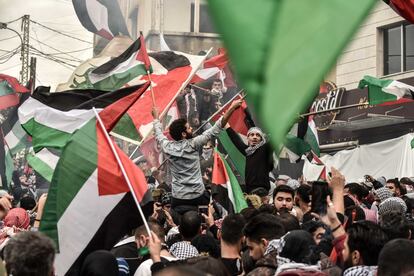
[
  {"x": 17, "y": 87},
  {"x": 110, "y": 178},
  {"x": 9, "y": 101},
  {"x": 112, "y": 113},
  {"x": 219, "y": 176},
  {"x": 166, "y": 88},
  {"x": 142, "y": 54},
  {"x": 400, "y": 101},
  {"x": 237, "y": 120},
  {"x": 405, "y": 8}
]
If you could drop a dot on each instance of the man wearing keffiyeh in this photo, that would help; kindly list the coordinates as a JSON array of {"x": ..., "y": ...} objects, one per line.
[{"x": 259, "y": 158}]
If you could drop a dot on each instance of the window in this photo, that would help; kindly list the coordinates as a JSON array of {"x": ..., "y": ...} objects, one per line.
[
  {"x": 398, "y": 48},
  {"x": 205, "y": 24}
]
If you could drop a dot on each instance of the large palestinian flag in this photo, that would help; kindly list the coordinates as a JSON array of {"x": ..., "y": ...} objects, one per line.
[
  {"x": 51, "y": 118},
  {"x": 89, "y": 204}
]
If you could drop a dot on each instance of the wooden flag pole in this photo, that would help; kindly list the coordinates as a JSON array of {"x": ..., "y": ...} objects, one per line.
[
  {"x": 118, "y": 160},
  {"x": 152, "y": 90}
]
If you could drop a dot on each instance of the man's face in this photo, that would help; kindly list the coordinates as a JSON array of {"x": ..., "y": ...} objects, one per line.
[
  {"x": 188, "y": 131},
  {"x": 392, "y": 188},
  {"x": 217, "y": 86},
  {"x": 347, "y": 256},
  {"x": 253, "y": 138},
  {"x": 256, "y": 250},
  {"x": 318, "y": 234},
  {"x": 283, "y": 201}
]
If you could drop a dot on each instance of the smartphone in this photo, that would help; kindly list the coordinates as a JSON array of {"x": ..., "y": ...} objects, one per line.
[
  {"x": 320, "y": 191},
  {"x": 203, "y": 209}
]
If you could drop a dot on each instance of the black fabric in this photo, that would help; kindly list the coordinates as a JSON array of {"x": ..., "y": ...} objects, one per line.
[
  {"x": 100, "y": 263},
  {"x": 81, "y": 98},
  {"x": 121, "y": 221},
  {"x": 203, "y": 199},
  {"x": 234, "y": 266},
  {"x": 129, "y": 252},
  {"x": 258, "y": 164},
  {"x": 170, "y": 60}
]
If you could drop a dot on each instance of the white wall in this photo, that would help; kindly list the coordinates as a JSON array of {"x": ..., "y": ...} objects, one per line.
[{"x": 363, "y": 55}]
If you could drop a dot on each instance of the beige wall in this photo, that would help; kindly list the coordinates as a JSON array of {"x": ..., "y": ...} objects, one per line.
[{"x": 364, "y": 54}]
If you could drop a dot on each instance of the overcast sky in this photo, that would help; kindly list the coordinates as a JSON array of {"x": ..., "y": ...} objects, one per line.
[{"x": 56, "y": 14}]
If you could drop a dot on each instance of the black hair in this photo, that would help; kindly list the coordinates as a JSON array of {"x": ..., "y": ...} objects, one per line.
[
  {"x": 249, "y": 213},
  {"x": 283, "y": 189},
  {"x": 190, "y": 225},
  {"x": 357, "y": 190},
  {"x": 232, "y": 228},
  {"x": 177, "y": 127},
  {"x": 396, "y": 258},
  {"x": 368, "y": 239},
  {"x": 354, "y": 213},
  {"x": 304, "y": 193},
  {"x": 300, "y": 247},
  {"x": 268, "y": 209},
  {"x": 289, "y": 222},
  {"x": 264, "y": 226},
  {"x": 395, "y": 225}
]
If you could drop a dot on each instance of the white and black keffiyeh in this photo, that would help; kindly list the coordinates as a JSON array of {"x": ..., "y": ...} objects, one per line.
[{"x": 183, "y": 250}]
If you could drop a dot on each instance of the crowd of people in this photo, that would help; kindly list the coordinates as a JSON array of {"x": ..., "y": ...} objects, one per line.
[{"x": 290, "y": 227}]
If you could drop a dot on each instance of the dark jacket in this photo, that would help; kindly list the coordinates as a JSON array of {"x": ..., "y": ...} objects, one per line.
[{"x": 258, "y": 165}]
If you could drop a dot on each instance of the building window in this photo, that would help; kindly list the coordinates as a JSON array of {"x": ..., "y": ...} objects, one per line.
[
  {"x": 398, "y": 48},
  {"x": 201, "y": 21}
]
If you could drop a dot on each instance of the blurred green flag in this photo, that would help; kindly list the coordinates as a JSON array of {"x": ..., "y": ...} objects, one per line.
[{"x": 281, "y": 50}]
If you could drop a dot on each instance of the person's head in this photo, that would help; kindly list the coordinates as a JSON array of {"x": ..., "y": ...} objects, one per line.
[
  {"x": 357, "y": 190},
  {"x": 302, "y": 197},
  {"x": 190, "y": 225},
  {"x": 141, "y": 234},
  {"x": 206, "y": 245},
  {"x": 17, "y": 217},
  {"x": 395, "y": 225},
  {"x": 396, "y": 258},
  {"x": 208, "y": 265},
  {"x": 283, "y": 198},
  {"x": 289, "y": 222},
  {"x": 382, "y": 194},
  {"x": 316, "y": 228},
  {"x": 181, "y": 129},
  {"x": 231, "y": 232},
  {"x": 299, "y": 247},
  {"x": 408, "y": 184},
  {"x": 363, "y": 244},
  {"x": 29, "y": 253},
  {"x": 100, "y": 263},
  {"x": 259, "y": 231},
  {"x": 282, "y": 179},
  {"x": 262, "y": 193},
  {"x": 394, "y": 185},
  {"x": 254, "y": 136},
  {"x": 217, "y": 85},
  {"x": 395, "y": 204}
]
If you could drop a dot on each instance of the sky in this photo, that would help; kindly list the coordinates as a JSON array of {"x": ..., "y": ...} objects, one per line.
[{"x": 55, "y": 14}]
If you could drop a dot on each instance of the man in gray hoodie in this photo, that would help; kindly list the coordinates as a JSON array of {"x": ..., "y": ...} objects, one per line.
[{"x": 183, "y": 157}]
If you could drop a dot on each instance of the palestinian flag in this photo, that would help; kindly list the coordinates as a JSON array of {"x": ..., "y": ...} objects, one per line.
[
  {"x": 117, "y": 72},
  {"x": 8, "y": 88},
  {"x": 223, "y": 175},
  {"x": 44, "y": 162},
  {"x": 404, "y": 8},
  {"x": 386, "y": 92},
  {"x": 89, "y": 204},
  {"x": 51, "y": 118},
  {"x": 240, "y": 121},
  {"x": 323, "y": 173},
  {"x": 295, "y": 147},
  {"x": 103, "y": 17},
  {"x": 311, "y": 136},
  {"x": 171, "y": 71}
]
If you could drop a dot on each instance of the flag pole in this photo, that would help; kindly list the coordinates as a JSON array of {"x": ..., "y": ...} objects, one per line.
[
  {"x": 152, "y": 90},
  {"x": 118, "y": 160},
  {"x": 184, "y": 84}
]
